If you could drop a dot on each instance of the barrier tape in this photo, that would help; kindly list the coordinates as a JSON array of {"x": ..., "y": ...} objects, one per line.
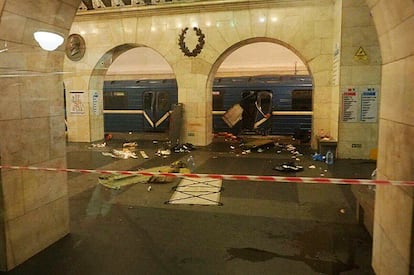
[{"x": 219, "y": 176}]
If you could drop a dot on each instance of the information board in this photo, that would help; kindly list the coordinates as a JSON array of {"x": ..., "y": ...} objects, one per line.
[
  {"x": 369, "y": 105},
  {"x": 77, "y": 100},
  {"x": 350, "y": 102}
]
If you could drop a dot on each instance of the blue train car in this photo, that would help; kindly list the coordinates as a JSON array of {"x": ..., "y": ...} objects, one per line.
[
  {"x": 278, "y": 105},
  {"x": 137, "y": 106}
]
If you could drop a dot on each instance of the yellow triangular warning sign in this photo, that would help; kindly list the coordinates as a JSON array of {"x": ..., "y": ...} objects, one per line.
[{"x": 361, "y": 54}]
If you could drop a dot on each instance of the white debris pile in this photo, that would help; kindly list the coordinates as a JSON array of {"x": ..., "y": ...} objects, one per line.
[
  {"x": 97, "y": 145},
  {"x": 129, "y": 144},
  {"x": 121, "y": 154}
]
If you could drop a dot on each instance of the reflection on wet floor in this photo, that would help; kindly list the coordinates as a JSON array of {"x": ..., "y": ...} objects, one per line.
[{"x": 260, "y": 227}]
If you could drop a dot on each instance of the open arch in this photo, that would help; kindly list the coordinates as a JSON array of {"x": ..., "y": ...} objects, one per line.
[
  {"x": 273, "y": 88},
  {"x": 136, "y": 98}
]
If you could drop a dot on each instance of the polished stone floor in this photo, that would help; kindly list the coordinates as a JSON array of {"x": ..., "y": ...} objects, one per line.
[{"x": 259, "y": 228}]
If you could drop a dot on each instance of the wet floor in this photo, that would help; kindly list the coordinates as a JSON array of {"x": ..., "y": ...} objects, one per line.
[{"x": 261, "y": 227}]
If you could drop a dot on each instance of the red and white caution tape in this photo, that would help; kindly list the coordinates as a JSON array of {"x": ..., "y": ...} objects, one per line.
[{"x": 218, "y": 176}]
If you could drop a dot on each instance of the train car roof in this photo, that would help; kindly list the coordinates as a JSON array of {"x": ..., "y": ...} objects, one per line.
[
  {"x": 141, "y": 83},
  {"x": 277, "y": 80},
  {"x": 305, "y": 80}
]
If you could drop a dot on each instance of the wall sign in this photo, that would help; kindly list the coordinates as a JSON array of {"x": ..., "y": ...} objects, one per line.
[
  {"x": 369, "y": 105},
  {"x": 77, "y": 102},
  {"x": 361, "y": 55},
  {"x": 95, "y": 103},
  {"x": 350, "y": 103}
]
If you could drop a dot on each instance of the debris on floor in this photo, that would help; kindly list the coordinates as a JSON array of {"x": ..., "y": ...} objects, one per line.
[
  {"x": 233, "y": 115},
  {"x": 258, "y": 145},
  {"x": 318, "y": 157},
  {"x": 97, "y": 145},
  {"x": 181, "y": 148},
  {"x": 288, "y": 167},
  {"x": 118, "y": 181},
  {"x": 163, "y": 152},
  {"x": 130, "y": 144},
  {"x": 143, "y": 154},
  {"x": 121, "y": 154}
]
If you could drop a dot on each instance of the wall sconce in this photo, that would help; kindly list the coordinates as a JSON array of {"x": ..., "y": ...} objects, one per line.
[{"x": 48, "y": 41}]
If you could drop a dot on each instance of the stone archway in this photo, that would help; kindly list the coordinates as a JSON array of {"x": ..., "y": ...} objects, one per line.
[
  {"x": 252, "y": 41},
  {"x": 93, "y": 114}
]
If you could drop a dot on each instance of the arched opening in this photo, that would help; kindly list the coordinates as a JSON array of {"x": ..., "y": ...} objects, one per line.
[
  {"x": 135, "y": 87},
  {"x": 272, "y": 86},
  {"x": 139, "y": 89}
]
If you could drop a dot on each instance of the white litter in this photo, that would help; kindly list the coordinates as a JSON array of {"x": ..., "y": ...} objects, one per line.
[
  {"x": 130, "y": 144},
  {"x": 120, "y": 154},
  {"x": 98, "y": 145},
  {"x": 143, "y": 154}
]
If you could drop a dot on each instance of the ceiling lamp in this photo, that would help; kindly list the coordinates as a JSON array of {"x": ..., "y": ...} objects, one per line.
[{"x": 48, "y": 41}]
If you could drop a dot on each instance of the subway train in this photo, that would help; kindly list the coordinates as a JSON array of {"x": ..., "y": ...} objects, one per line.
[{"x": 268, "y": 105}]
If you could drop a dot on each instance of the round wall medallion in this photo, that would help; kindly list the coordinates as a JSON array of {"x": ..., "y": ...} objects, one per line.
[
  {"x": 197, "y": 48},
  {"x": 75, "y": 47}
]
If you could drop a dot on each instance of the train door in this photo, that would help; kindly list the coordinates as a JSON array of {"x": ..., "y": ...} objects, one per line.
[
  {"x": 156, "y": 110},
  {"x": 257, "y": 109}
]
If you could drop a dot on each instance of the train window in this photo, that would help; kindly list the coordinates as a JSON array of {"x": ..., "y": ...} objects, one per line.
[
  {"x": 218, "y": 100},
  {"x": 115, "y": 100},
  {"x": 302, "y": 100},
  {"x": 163, "y": 101},
  {"x": 264, "y": 102},
  {"x": 148, "y": 100}
]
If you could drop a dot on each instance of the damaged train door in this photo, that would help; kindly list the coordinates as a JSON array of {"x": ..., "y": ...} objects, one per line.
[
  {"x": 156, "y": 110},
  {"x": 257, "y": 109}
]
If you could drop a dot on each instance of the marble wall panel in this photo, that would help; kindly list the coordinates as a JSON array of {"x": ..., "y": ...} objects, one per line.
[
  {"x": 12, "y": 26},
  {"x": 388, "y": 15},
  {"x": 10, "y": 103},
  {"x": 43, "y": 187},
  {"x": 57, "y": 137},
  {"x": 12, "y": 142},
  {"x": 242, "y": 23},
  {"x": 389, "y": 257},
  {"x": 65, "y": 14},
  {"x": 12, "y": 194},
  {"x": 33, "y": 232},
  {"x": 396, "y": 81}
]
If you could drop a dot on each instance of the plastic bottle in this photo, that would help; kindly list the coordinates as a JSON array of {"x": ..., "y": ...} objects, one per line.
[
  {"x": 191, "y": 163},
  {"x": 329, "y": 159}
]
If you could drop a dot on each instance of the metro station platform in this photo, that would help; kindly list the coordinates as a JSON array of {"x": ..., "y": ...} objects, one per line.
[{"x": 258, "y": 227}]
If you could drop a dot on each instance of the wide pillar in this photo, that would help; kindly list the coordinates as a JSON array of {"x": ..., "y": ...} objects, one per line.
[
  {"x": 34, "y": 205},
  {"x": 192, "y": 78},
  {"x": 394, "y": 206}
]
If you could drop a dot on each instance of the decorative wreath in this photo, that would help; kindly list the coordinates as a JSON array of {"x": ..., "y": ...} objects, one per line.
[{"x": 199, "y": 45}]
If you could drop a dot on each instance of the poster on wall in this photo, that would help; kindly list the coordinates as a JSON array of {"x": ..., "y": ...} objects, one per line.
[
  {"x": 350, "y": 103},
  {"x": 369, "y": 105},
  {"x": 77, "y": 102}
]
